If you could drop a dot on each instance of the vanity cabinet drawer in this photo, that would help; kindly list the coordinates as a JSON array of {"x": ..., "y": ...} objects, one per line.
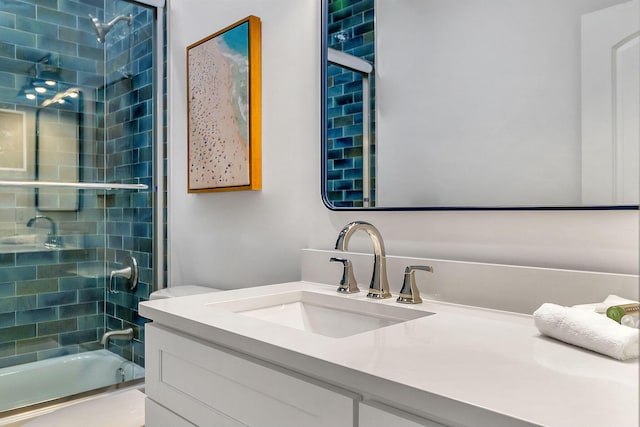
[
  {"x": 374, "y": 414},
  {"x": 157, "y": 415},
  {"x": 209, "y": 386}
]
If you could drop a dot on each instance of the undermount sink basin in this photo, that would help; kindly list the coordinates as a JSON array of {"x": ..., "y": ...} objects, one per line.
[{"x": 333, "y": 316}]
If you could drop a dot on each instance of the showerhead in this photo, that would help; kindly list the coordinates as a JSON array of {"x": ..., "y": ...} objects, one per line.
[
  {"x": 102, "y": 29},
  {"x": 97, "y": 26}
]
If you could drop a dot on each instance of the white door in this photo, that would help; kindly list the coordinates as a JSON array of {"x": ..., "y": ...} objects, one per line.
[{"x": 611, "y": 105}]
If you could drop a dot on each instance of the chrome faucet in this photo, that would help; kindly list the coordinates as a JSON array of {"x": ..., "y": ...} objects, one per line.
[
  {"x": 53, "y": 240},
  {"x": 124, "y": 334},
  {"x": 379, "y": 286}
]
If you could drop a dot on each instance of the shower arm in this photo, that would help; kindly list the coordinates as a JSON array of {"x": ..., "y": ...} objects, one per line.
[{"x": 128, "y": 18}]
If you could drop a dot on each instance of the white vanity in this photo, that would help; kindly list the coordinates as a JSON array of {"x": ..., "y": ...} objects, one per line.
[{"x": 247, "y": 357}]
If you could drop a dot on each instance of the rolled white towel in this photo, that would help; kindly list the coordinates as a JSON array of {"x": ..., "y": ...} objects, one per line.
[{"x": 589, "y": 330}]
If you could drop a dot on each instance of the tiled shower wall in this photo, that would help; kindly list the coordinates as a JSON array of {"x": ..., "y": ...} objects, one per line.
[
  {"x": 350, "y": 30},
  {"x": 53, "y": 302},
  {"x": 47, "y": 306}
]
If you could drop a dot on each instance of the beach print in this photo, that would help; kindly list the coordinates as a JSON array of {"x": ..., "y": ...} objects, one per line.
[{"x": 219, "y": 111}]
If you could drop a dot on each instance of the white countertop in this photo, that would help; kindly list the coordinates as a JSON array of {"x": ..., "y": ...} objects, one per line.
[{"x": 461, "y": 366}]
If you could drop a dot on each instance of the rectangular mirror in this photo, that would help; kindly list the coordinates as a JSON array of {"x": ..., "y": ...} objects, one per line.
[{"x": 460, "y": 104}]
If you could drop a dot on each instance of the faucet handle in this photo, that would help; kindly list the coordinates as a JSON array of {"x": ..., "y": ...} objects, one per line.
[
  {"x": 131, "y": 272},
  {"x": 53, "y": 241},
  {"x": 348, "y": 283},
  {"x": 409, "y": 294}
]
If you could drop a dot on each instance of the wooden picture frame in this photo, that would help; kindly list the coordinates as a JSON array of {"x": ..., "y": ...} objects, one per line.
[{"x": 223, "y": 103}]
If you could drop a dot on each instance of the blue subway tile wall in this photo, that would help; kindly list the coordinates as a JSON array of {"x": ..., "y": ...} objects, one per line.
[
  {"x": 47, "y": 305},
  {"x": 351, "y": 30},
  {"x": 53, "y": 302}
]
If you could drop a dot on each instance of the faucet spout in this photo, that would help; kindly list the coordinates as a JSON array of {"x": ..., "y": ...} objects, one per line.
[
  {"x": 124, "y": 334},
  {"x": 379, "y": 286},
  {"x": 53, "y": 240}
]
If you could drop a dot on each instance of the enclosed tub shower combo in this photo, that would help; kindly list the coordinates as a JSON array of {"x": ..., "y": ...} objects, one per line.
[{"x": 81, "y": 218}]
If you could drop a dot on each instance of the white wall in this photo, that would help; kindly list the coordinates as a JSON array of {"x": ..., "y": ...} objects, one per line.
[{"x": 244, "y": 238}]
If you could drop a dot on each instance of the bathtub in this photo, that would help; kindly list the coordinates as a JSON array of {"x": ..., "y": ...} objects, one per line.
[{"x": 63, "y": 376}]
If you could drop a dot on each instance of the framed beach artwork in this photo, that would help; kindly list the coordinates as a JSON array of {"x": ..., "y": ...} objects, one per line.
[{"x": 224, "y": 120}]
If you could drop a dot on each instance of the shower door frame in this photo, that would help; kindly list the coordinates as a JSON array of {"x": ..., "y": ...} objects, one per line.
[
  {"x": 159, "y": 170},
  {"x": 158, "y": 173}
]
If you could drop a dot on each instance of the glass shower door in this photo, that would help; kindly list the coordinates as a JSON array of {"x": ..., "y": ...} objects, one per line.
[{"x": 78, "y": 86}]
